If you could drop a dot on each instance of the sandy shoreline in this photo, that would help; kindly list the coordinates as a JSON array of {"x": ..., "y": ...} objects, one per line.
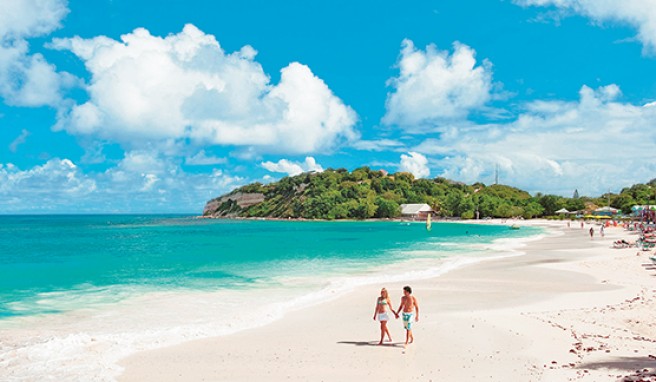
[{"x": 570, "y": 309}]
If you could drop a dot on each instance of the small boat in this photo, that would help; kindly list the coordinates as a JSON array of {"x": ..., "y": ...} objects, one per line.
[{"x": 514, "y": 226}]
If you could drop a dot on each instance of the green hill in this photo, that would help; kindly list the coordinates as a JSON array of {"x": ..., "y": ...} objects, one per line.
[{"x": 364, "y": 194}]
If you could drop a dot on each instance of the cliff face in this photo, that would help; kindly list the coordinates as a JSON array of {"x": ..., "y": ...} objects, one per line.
[{"x": 232, "y": 204}]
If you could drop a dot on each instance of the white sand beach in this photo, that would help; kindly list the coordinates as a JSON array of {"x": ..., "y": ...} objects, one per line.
[{"x": 570, "y": 309}]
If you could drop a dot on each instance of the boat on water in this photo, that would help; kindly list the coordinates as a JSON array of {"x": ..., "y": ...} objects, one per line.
[{"x": 514, "y": 226}]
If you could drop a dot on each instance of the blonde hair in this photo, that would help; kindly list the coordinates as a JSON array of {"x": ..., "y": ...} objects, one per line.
[{"x": 384, "y": 290}]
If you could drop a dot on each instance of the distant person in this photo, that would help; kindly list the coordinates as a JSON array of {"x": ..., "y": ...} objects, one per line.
[
  {"x": 567, "y": 224},
  {"x": 582, "y": 225},
  {"x": 591, "y": 233},
  {"x": 601, "y": 231},
  {"x": 410, "y": 307},
  {"x": 380, "y": 313}
]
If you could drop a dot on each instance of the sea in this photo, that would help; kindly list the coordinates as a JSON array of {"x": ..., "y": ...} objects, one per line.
[{"x": 80, "y": 292}]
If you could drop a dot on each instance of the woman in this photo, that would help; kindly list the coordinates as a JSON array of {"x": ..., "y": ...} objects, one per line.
[{"x": 382, "y": 303}]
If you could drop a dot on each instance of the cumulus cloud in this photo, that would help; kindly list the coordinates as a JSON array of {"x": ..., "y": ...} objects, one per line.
[
  {"x": 202, "y": 159},
  {"x": 141, "y": 182},
  {"x": 30, "y": 18},
  {"x": 157, "y": 178},
  {"x": 185, "y": 86},
  {"x": 43, "y": 185},
  {"x": 434, "y": 85},
  {"x": 293, "y": 168},
  {"x": 640, "y": 14},
  {"x": 28, "y": 79},
  {"x": 415, "y": 163},
  {"x": 139, "y": 168},
  {"x": 592, "y": 144}
]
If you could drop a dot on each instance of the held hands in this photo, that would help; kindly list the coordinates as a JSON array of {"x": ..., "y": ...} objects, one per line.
[{"x": 396, "y": 315}]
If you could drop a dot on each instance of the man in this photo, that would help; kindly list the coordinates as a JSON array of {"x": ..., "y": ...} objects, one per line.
[{"x": 410, "y": 308}]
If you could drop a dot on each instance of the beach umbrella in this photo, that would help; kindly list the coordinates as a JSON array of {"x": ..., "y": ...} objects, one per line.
[{"x": 562, "y": 211}]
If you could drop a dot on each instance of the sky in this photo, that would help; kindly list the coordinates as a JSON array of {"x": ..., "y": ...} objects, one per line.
[{"x": 143, "y": 106}]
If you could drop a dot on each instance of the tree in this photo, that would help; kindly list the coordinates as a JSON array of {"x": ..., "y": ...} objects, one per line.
[
  {"x": 466, "y": 207},
  {"x": 387, "y": 208},
  {"x": 362, "y": 193},
  {"x": 551, "y": 204},
  {"x": 503, "y": 210},
  {"x": 575, "y": 204},
  {"x": 467, "y": 214},
  {"x": 532, "y": 210}
]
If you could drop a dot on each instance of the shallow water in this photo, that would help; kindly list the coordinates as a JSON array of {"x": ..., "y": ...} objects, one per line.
[{"x": 77, "y": 293}]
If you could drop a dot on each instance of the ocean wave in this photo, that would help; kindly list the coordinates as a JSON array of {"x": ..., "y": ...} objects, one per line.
[{"x": 101, "y": 325}]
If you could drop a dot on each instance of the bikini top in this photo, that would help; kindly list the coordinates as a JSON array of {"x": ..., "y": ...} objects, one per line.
[{"x": 382, "y": 301}]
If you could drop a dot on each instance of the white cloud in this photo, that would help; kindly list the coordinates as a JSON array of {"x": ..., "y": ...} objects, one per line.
[
  {"x": 153, "y": 175},
  {"x": 435, "y": 86},
  {"x": 149, "y": 180},
  {"x": 42, "y": 186},
  {"x": 415, "y": 163},
  {"x": 28, "y": 79},
  {"x": 202, "y": 159},
  {"x": 593, "y": 144},
  {"x": 379, "y": 145},
  {"x": 293, "y": 168},
  {"x": 146, "y": 88},
  {"x": 141, "y": 162},
  {"x": 30, "y": 18},
  {"x": 13, "y": 146},
  {"x": 640, "y": 14},
  {"x": 141, "y": 182}
]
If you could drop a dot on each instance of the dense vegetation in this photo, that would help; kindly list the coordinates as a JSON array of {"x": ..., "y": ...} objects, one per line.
[{"x": 363, "y": 193}]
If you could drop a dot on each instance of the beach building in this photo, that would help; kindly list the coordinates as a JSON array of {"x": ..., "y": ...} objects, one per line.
[
  {"x": 416, "y": 211},
  {"x": 606, "y": 211}
]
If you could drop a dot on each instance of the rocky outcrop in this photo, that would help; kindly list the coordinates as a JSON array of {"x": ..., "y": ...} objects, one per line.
[{"x": 232, "y": 204}]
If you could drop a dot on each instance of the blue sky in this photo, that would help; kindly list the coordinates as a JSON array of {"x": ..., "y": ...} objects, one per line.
[{"x": 150, "y": 106}]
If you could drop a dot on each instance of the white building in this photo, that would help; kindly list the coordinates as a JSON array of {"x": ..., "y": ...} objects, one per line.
[{"x": 416, "y": 211}]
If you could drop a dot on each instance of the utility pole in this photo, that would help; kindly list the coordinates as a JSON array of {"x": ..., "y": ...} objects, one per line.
[{"x": 496, "y": 174}]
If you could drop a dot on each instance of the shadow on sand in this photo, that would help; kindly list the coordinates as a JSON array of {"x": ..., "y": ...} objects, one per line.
[
  {"x": 643, "y": 365},
  {"x": 372, "y": 343}
]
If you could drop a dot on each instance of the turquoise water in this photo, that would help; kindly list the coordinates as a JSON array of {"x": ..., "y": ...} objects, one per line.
[{"x": 54, "y": 264}]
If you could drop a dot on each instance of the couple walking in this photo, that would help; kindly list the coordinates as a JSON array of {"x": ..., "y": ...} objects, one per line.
[{"x": 410, "y": 308}]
